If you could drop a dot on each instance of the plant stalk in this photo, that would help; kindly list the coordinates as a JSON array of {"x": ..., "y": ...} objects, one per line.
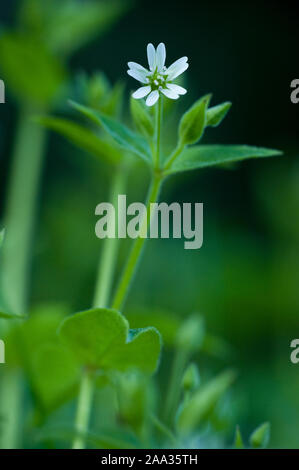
[
  {"x": 16, "y": 255},
  {"x": 83, "y": 409},
  {"x": 132, "y": 262},
  {"x": 159, "y": 116}
]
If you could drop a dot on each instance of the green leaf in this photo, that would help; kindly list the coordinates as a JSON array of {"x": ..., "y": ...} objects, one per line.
[
  {"x": 54, "y": 375},
  {"x": 93, "y": 333},
  {"x": 127, "y": 139},
  {"x": 29, "y": 70},
  {"x": 200, "y": 405},
  {"x": 191, "y": 333},
  {"x": 132, "y": 392},
  {"x": 100, "y": 339},
  {"x": 193, "y": 122},
  {"x": 259, "y": 439},
  {"x": 68, "y": 26},
  {"x": 83, "y": 138},
  {"x": 238, "y": 442},
  {"x": 142, "y": 352},
  {"x": 39, "y": 329},
  {"x": 142, "y": 119},
  {"x": 216, "y": 114},
  {"x": 166, "y": 322},
  {"x": 191, "y": 378},
  {"x": 202, "y": 156}
]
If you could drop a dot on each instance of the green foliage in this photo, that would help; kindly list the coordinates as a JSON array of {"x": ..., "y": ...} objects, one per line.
[
  {"x": 259, "y": 439},
  {"x": 191, "y": 378},
  {"x": 125, "y": 138},
  {"x": 100, "y": 339},
  {"x": 84, "y": 138},
  {"x": 195, "y": 410},
  {"x": 216, "y": 114},
  {"x": 55, "y": 376},
  {"x": 238, "y": 442},
  {"x": 142, "y": 118},
  {"x": 193, "y": 122},
  {"x": 4, "y": 308},
  {"x": 191, "y": 334},
  {"x": 64, "y": 25},
  {"x": 133, "y": 399},
  {"x": 203, "y": 156},
  {"x": 19, "y": 57}
]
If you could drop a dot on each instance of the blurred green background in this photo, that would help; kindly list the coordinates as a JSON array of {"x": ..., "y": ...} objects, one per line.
[{"x": 245, "y": 278}]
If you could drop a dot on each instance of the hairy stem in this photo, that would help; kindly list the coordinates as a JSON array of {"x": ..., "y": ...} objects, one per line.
[
  {"x": 174, "y": 156},
  {"x": 132, "y": 262},
  {"x": 110, "y": 249}
]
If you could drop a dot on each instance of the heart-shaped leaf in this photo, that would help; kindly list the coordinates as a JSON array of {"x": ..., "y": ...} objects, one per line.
[
  {"x": 83, "y": 138},
  {"x": 125, "y": 138},
  {"x": 202, "y": 156},
  {"x": 100, "y": 339},
  {"x": 141, "y": 352}
]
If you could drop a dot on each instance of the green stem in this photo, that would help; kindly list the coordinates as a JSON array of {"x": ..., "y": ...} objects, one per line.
[
  {"x": 20, "y": 211},
  {"x": 132, "y": 263},
  {"x": 11, "y": 398},
  {"x": 159, "y": 112},
  {"x": 83, "y": 409},
  {"x": 110, "y": 249},
  {"x": 19, "y": 221},
  {"x": 174, "y": 156},
  {"x": 101, "y": 298}
]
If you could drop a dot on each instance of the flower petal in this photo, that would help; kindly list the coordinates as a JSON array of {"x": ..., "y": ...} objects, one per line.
[
  {"x": 179, "y": 90},
  {"x": 135, "y": 66},
  {"x": 151, "y": 56},
  {"x": 177, "y": 68},
  {"x": 152, "y": 98},
  {"x": 138, "y": 75},
  {"x": 141, "y": 92},
  {"x": 170, "y": 94},
  {"x": 161, "y": 56}
]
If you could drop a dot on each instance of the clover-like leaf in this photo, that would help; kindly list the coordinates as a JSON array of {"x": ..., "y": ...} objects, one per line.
[
  {"x": 54, "y": 375},
  {"x": 203, "y": 401},
  {"x": 142, "y": 352},
  {"x": 100, "y": 339},
  {"x": 202, "y": 156},
  {"x": 193, "y": 122},
  {"x": 216, "y": 114},
  {"x": 83, "y": 138},
  {"x": 259, "y": 439},
  {"x": 125, "y": 138}
]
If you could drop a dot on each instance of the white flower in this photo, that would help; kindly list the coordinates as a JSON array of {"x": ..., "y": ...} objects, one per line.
[{"x": 158, "y": 79}]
